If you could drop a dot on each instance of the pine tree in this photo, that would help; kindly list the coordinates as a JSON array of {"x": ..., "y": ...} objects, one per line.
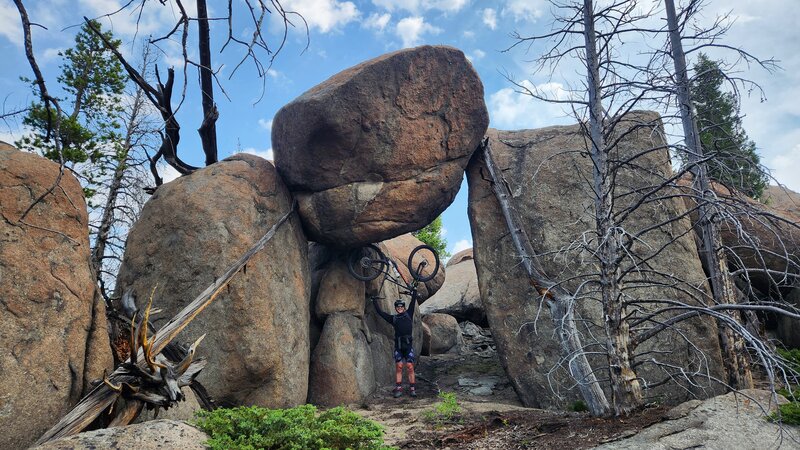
[
  {"x": 431, "y": 234},
  {"x": 92, "y": 82},
  {"x": 734, "y": 162}
]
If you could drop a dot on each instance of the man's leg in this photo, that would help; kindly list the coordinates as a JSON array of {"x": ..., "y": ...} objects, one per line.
[
  {"x": 398, "y": 377},
  {"x": 412, "y": 378}
]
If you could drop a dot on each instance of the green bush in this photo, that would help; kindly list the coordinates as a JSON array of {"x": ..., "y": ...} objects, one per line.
[
  {"x": 790, "y": 412},
  {"x": 299, "y": 428},
  {"x": 579, "y": 406},
  {"x": 447, "y": 410}
]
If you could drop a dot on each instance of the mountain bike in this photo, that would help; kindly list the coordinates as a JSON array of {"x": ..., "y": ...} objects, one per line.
[{"x": 369, "y": 262}]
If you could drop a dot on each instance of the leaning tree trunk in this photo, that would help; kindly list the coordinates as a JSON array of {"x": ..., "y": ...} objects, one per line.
[
  {"x": 557, "y": 299},
  {"x": 733, "y": 347},
  {"x": 625, "y": 388}
]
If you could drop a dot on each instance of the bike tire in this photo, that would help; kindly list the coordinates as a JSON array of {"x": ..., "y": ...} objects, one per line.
[
  {"x": 366, "y": 263},
  {"x": 426, "y": 252}
]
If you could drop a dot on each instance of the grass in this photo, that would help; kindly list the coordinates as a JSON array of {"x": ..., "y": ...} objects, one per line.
[
  {"x": 790, "y": 412},
  {"x": 446, "y": 410}
]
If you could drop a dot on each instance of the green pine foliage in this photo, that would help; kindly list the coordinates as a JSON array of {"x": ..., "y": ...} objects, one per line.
[
  {"x": 299, "y": 428},
  {"x": 735, "y": 162},
  {"x": 90, "y": 84},
  {"x": 431, "y": 234}
]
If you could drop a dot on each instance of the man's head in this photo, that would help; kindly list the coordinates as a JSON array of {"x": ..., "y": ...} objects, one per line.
[{"x": 399, "y": 306}]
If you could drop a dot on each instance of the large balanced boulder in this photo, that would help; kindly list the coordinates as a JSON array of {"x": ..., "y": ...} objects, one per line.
[
  {"x": 379, "y": 149},
  {"x": 459, "y": 296},
  {"x": 257, "y": 330},
  {"x": 152, "y": 435},
  {"x": 546, "y": 172},
  {"x": 53, "y": 336}
]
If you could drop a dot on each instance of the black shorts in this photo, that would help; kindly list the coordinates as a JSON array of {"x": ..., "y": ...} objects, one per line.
[{"x": 409, "y": 357}]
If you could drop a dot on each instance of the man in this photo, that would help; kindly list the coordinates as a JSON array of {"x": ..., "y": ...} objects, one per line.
[{"x": 403, "y": 350}]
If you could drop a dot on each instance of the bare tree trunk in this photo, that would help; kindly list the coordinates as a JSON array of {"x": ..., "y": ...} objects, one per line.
[
  {"x": 110, "y": 207},
  {"x": 208, "y": 129},
  {"x": 625, "y": 389},
  {"x": 558, "y": 300},
  {"x": 722, "y": 287}
]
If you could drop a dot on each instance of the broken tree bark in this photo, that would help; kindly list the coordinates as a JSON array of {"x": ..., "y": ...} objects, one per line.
[
  {"x": 557, "y": 299},
  {"x": 103, "y": 396}
]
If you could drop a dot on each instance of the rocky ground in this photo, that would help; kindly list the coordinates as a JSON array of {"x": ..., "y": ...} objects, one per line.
[{"x": 492, "y": 417}]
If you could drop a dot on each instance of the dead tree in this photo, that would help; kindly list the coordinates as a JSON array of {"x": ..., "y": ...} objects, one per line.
[
  {"x": 722, "y": 285},
  {"x": 256, "y": 50},
  {"x": 558, "y": 300},
  {"x": 623, "y": 255}
]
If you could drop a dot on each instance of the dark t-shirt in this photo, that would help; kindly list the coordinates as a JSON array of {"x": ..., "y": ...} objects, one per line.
[{"x": 402, "y": 323}]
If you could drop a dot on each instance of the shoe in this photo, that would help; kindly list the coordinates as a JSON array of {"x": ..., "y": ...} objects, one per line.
[
  {"x": 398, "y": 391},
  {"x": 413, "y": 393}
]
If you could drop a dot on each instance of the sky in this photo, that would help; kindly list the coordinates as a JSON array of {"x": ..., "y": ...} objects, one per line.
[{"x": 344, "y": 33}]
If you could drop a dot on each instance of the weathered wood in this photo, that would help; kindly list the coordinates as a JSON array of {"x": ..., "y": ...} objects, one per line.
[
  {"x": 734, "y": 349},
  {"x": 103, "y": 396},
  {"x": 558, "y": 299}
]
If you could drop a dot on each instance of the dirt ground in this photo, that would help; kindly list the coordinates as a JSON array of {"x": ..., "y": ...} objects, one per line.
[{"x": 491, "y": 415}]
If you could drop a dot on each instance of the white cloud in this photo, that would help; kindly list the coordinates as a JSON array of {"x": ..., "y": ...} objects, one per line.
[
  {"x": 468, "y": 34},
  {"x": 51, "y": 54},
  {"x": 476, "y": 55},
  {"x": 784, "y": 168},
  {"x": 266, "y": 154},
  {"x": 273, "y": 73},
  {"x": 416, "y": 6},
  {"x": 510, "y": 109},
  {"x": 377, "y": 21},
  {"x": 169, "y": 173},
  {"x": 443, "y": 232},
  {"x": 524, "y": 10},
  {"x": 411, "y": 30},
  {"x": 324, "y": 15},
  {"x": 265, "y": 124},
  {"x": 490, "y": 18},
  {"x": 461, "y": 245},
  {"x": 10, "y": 25}
]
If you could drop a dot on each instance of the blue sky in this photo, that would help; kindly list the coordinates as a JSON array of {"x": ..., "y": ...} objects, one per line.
[{"x": 344, "y": 33}]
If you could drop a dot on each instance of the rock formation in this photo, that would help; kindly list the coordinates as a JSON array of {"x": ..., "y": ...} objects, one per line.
[
  {"x": 459, "y": 296},
  {"x": 555, "y": 210},
  {"x": 445, "y": 334},
  {"x": 53, "y": 337},
  {"x": 379, "y": 149},
  {"x": 257, "y": 330},
  {"x": 153, "y": 435}
]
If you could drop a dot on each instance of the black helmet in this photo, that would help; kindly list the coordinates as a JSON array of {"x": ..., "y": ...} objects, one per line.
[{"x": 399, "y": 304}]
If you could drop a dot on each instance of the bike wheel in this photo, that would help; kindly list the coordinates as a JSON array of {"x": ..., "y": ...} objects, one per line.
[
  {"x": 423, "y": 263},
  {"x": 366, "y": 263}
]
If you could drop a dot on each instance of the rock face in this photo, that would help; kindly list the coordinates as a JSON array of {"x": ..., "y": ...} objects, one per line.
[
  {"x": 53, "y": 337},
  {"x": 445, "y": 333},
  {"x": 189, "y": 232},
  {"x": 463, "y": 255},
  {"x": 721, "y": 423},
  {"x": 399, "y": 250},
  {"x": 341, "y": 364},
  {"x": 156, "y": 434},
  {"x": 379, "y": 149},
  {"x": 459, "y": 296},
  {"x": 547, "y": 179}
]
